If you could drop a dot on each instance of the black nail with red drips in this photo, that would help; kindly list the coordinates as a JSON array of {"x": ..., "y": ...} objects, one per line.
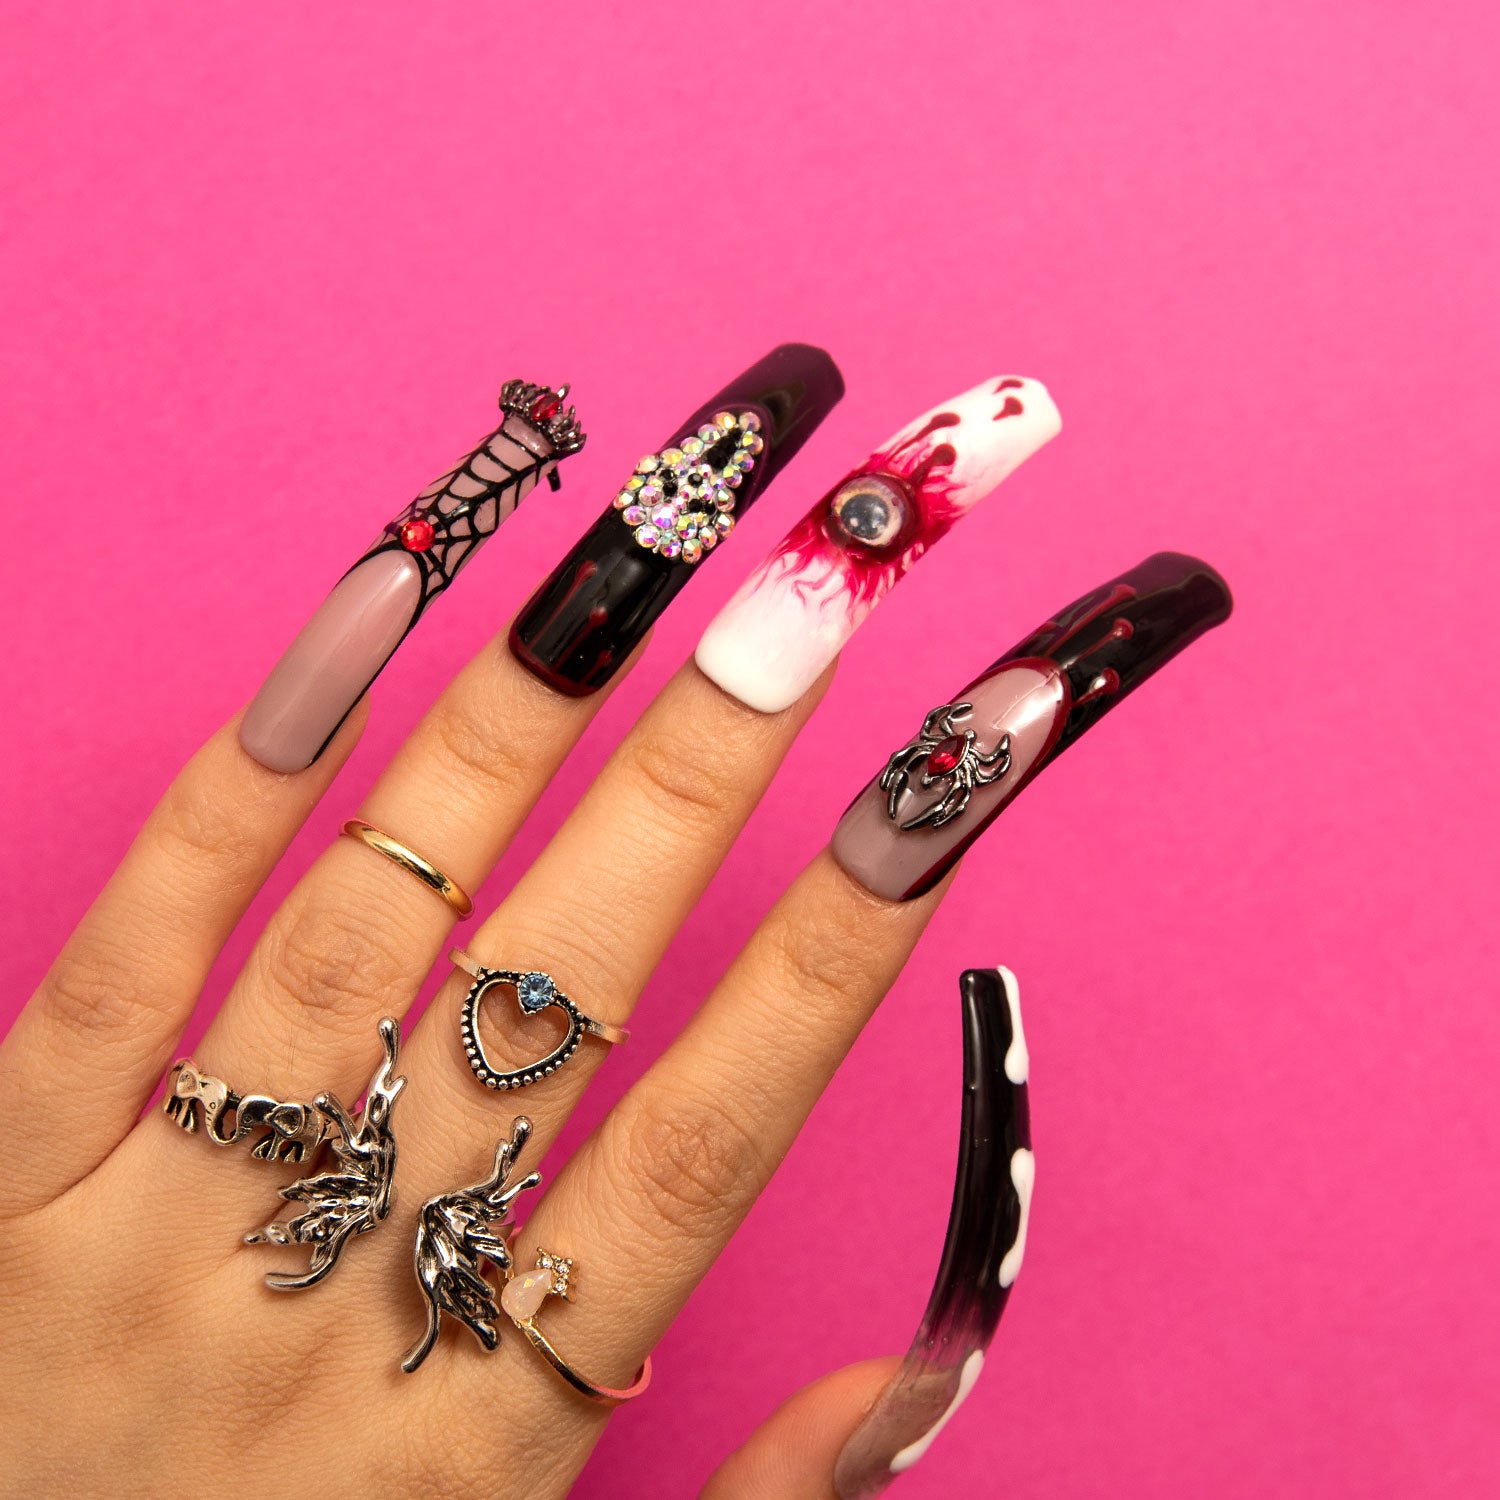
[{"x": 585, "y": 620}]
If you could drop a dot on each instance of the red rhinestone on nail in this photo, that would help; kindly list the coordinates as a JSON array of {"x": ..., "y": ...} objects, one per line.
[
  {"x": 545, "y": 407},
  {"x": 946, "y": 755},
  {"x": 417, "y": 534}
]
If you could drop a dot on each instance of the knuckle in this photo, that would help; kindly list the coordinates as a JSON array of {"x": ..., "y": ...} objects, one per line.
[
  {"x": 692, "y": 1161},
  {"x": 480, "y": 745},
  {"x": 324, "y": 956},
  {"x": 820, "y": 958},
  {"x": 192, "y": 825},
  {"x": 97, "y": 988},
  {"x": 592, "y": 961},
  {"x": 680, "y": 777}
]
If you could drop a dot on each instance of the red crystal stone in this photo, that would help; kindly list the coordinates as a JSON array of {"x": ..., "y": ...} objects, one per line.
[
  {"x": 416, "y": 535},
  {"x": 546, "y": 406},
  {"x": 946, "y": 755}
]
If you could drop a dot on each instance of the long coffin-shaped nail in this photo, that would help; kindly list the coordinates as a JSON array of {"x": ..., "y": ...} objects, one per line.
[
  {"x": 953, "y": 778},
  {"x": 981, "y": 1256},
  {"x": 677, "y": 508},
  {"x": 341, "y": 650},
  {"x": 795, "y": 612}
]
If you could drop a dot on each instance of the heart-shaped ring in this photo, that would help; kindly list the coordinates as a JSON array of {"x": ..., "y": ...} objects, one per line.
[{"x": 534, "y": 992}]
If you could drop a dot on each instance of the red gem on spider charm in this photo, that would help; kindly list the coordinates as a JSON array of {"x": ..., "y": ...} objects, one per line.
[
  {"x": 546, "y": 406},
  {"x": 417, "y": 534},
  {"x": 946, "y": 755}
]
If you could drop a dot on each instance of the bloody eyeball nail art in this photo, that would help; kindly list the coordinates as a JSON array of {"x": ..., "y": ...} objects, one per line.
[
  {"x": 677, "y": 508},
  {"x": 982, "y": 1254},
  {"x": 340, "y": 651},
  {"x": 971, "y": 754},
  {"x": 796, "y": 611}
]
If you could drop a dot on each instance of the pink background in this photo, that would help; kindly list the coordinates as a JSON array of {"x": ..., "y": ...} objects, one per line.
[{"x": 264, "y": 269}]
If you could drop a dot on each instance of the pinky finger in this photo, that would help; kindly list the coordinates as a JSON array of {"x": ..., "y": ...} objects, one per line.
[
  {"x": 87, "y": 1051},
  {"x": 851, "y": 1434}
]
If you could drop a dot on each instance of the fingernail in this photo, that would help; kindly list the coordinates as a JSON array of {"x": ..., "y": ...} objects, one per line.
[
  {"x": 796, "y": 611},
  {"x": 941, "y": 789},
  {"x": 982, "y": 1253},
  {"x": 677, "y": 509},
  {"x": 340, "y": 651}
]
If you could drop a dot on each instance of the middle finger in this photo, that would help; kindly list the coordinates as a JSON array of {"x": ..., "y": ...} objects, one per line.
[{"x": 635, "y": 855}]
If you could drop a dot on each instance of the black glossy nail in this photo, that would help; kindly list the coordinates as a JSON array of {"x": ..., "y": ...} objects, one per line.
[
  {"x": 678, "y": 508},
  {"x": 982, "y": 1253}
]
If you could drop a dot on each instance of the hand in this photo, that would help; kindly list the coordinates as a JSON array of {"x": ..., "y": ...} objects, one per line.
[{"x": 145, "y": 1355}]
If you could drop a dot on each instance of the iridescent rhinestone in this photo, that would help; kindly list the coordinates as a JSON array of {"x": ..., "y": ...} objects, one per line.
[
  {"x": 633, "y": 515},
  {"x": 709, "y": 537},
  {"x": 692, "y": 550},
  {"x": 692, "y": 446},
  {"x": 708, "y": 433},
  {"x": 649, "y": 494},
  {"x": 663, "y": 516},
  {"x": 624, "y": 498},
  {"x": 647, "y": 536},
  {"x": 725, "y": 523},
  {"x": 671, "y": 457},
  {"x": 725, "y": 420},
  {"x": 750, "y": 420},
  {"x": 734, "y": 479},
  {"x": 649, "y": 464},
  {"x": 757, "y": 442},
  {"x": 669, "y": 547},
  {"x": 746, "y": 462},
  {"x": 635, "y": 482}
]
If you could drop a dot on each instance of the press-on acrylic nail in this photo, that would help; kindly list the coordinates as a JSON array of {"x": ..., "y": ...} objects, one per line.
[
  {"x": 679, "y": 506},
  {"x": 796, "y": 611},
  {"x": 982, "y": 1253},
  {"x": 340, "y": 651},
  {"x": 972, "y": 754}
]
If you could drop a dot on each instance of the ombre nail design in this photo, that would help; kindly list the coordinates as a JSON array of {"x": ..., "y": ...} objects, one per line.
[
  {"x": 340, "y": 651},
  {"x": 796, "y": 611},
  {"x": 678, "y": 506},
  {"x": 941, "y": 789},
  {"x": 982, "y": 1254}
]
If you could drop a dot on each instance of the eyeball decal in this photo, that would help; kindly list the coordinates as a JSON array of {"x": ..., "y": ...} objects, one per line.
[
  {"x": 793, "y": 615},
  {"x": 870, "y": 512}
]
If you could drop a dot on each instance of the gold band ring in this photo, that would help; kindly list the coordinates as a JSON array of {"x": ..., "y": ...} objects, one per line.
[
  {"x": 521, "y": 1299},
  {"x": 398, "y": 854}
]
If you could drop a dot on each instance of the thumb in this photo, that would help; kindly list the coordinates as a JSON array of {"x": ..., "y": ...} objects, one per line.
[{"x": 792, "y": 1454}]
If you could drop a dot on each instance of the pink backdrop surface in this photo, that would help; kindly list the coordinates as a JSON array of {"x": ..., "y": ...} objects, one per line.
[{"x": 263, "y": 270}]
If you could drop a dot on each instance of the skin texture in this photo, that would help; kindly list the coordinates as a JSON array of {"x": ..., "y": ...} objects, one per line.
[
  {"x": 176, "y": 1316},
  {"x": 171, "y": 1313}
]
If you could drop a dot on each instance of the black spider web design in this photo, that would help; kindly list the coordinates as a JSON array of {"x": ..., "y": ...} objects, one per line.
[{"x": 464, "y": 506}]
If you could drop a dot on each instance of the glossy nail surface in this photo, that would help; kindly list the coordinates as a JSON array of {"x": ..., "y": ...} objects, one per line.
[
  {"x": 795, "y": 612},
  {"x": 982, "y": 1254},
  {"x": 972, "y": 754},
  {"x": 671, "y": 515},
  {"x": 340, "y": 651}
]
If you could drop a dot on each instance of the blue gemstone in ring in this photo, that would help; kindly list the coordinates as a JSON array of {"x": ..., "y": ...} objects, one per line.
[{"x": 535, "y": 992}]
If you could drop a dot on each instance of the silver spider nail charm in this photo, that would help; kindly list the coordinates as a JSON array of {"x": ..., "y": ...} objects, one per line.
[
  {"x": 950, "y": 757},
  {"x": 355, "y": 1194}
]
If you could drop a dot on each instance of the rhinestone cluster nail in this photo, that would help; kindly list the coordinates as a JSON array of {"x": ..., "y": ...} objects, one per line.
[{"x": 679, "y": 503}]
